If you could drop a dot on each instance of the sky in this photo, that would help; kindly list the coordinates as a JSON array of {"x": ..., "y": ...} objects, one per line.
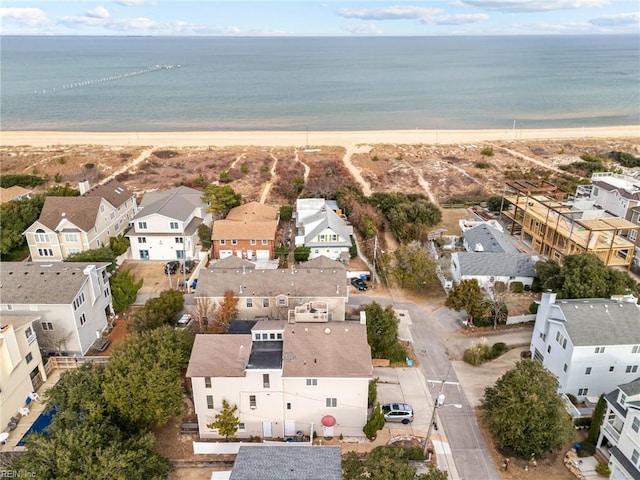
[{"x": 319, "y": 18}]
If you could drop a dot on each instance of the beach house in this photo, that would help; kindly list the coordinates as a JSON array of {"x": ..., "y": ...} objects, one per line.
[{"x": 320, "y": 227}]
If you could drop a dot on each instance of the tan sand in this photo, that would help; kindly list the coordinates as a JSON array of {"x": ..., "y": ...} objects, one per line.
[{"x": 289, "y": 138}]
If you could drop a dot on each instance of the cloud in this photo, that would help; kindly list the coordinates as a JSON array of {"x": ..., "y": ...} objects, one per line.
[
  {"x": 396, "y": 12},
  {"x": 26, "y": 17},
  {"x": 98, "y": 12},
  {"x": 136, "y": 3},
  {"x": 458, "y": 19},
  {"x": 533, "y": 5},
  {"x": 363, "y": 29},
  {"x": 123, "y": 24},
  {"x": 619, "y": 20}
]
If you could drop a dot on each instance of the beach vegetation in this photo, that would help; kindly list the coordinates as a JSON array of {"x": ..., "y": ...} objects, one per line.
[
  {"x": 158, "y": 311},
  {"x": 244, "y": 168},
  {"x": 199, "y": 181},
  {"x": 61, "y": 160},
  {"x": 204, "y": 234},
  {"x": 482, "y": 165},
  {"x": 165, "y": 154},
  {"x": 412, "y": 267},
  {"x": 57, "y": 178},
  {"x": 124, "y": 289},
  {"x": 525, "y": 399},
  {"x": 487, "y": 152},
  {"x": 625, "y": 159},
  {"x": 221, "y": 198},
  {"x": 89, "y": 166},
  {"x": 226, "y": 421},
  {"x": 374, "y": 158},
  {"x": 264, "y": 169},
  {"x": 225, "y": 177},
  {"x": 65, "y": 190},
  {"x": 8, "y": 181}
]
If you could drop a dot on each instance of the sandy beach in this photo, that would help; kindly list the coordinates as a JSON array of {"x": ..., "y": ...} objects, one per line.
[{"x": 302, "y": 138}]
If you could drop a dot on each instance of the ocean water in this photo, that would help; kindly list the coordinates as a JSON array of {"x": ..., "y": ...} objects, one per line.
[{"x": 213, "y": 83}]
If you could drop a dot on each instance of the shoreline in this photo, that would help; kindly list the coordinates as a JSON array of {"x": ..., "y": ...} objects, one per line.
[{"x": 304, "y": 138}]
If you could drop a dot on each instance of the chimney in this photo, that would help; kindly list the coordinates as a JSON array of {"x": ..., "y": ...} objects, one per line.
[
  {"x": 83, "y": 186},
  {"x": 548, "y": 299},
  {"x": 91, "y": 272}
]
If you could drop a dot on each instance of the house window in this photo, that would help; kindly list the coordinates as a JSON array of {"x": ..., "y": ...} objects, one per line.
[
  {"x": 635, "y": 426},
  {"x": 623, "y": 398},
  {"x": 257, "y": 335},
  {"x": 549, "y": 349},
  {"x": 253, "y": 242},
  {"x": 279, "y": 337},
  {"x": 29, "y": 357},
  {"x": 331, "y": 402},
  {"x": 41, "y": 237},
  {"x": 180, "y": 254},
  {"x": 564, "y": 368},
  {"x": 583, "y": 391},
  {"x": 78, "y": 301},
  {"x": 223, "y": 242},
  {"x": 635, "y": 349},
  {"x": 288, "y": 405},
  {"x": 179, "y": 239},
  {"x": 45, "y": 252},
  {"x": 265, "y": 336},
  {"x": 265, "y": 380},
  {"x": 312, "y": 382},
  {"x": 10, "y": 307},
  {"x": 112, "y": 215},
  {"x": 73, "y": 250},
  {"x": 101, "y": 208},
  {"x": 46, "y": 325},
  {"x": 241, "y": 427},
  {"x": 587, "y": 371},
  {"x": 634, "y": 456},
  {"x": 142, "y": 239},
  {"x": 83, "y": 319},
  {"x": 599, "y": 350},
  {"x": 272, "y": 336},
  {"x": 173, "y": 225},
  {"x": 632, "y": 369},
  {"x": 142, "y": 225},
  {"x": 29, "y": 334},
  {"x": 210, "y": 402},
  {"x": 611, "y": 368},
  {"x": 207, "y": 382},
  {"x": 252, "y": 401},
  {"x": 70, "y": 237},
  {"x": 282, "y": 301},
  {"x": 234, "y": 242},
  {"x": 249, "y": 302},
  {"x": 265, "y": 302}
]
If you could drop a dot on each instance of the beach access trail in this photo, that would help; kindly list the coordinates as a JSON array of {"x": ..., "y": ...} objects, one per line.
[{"x": 130, "y": 165}]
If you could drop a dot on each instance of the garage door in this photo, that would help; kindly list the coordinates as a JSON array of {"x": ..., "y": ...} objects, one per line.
[
  {"x": 225, "y": 253},
  {"x": 262, "y": 254}
]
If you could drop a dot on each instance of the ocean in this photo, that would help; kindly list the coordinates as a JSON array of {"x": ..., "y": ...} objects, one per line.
[{"x": 336, "y": 83}]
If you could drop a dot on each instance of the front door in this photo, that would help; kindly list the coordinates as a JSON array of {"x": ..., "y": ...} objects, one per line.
[
  {"x": 144, "y": 254},
  {"x": 266, "y": 430},
  {"x": 289, "y": 428}
]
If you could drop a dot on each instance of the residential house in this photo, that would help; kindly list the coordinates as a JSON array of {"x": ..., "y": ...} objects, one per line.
[
  {"x": 72, "y": 299},
  {"x": 166, "y": 225},
  {"x": 615, "y": 193},
  {"x": 288, "y": 462},
  {"x": 21, "y": 369},
  {"x": 248, "y": 231},
  {"x": 321, "y": 229},
  {"x": 488, "y": 268},
  {"x": 273, "y": 293},
  {"x": 486, "y": 238},
  {"x": 590, "y": 345},
  {"x": 284, "y": 378},
  {"x": 620, "y": 432},
  {"x": 70, "y": 225},
  {"x": 14, "y": 193}
]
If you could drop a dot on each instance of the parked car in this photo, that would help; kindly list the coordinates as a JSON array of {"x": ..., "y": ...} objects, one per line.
[
  {"x": 188, "y": 266},
  {"x": 359, "y": 283},
  {"x": 398, "y": 412},
  {"x": 172, "y": 267},
  {"x": 184, "y": 322}
]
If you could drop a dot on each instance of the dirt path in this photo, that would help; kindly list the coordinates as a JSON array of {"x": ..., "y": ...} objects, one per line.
[
  {"x": 267, "y": 187},
  {"x": 350, "y": 150},
  {"x": 522, "y": 156},
  {"x": 307, "y": 170},
  {"x": 130, "y": 165}
]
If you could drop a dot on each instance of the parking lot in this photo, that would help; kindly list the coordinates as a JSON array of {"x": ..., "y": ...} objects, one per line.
[{"x": 154, "y": 278}]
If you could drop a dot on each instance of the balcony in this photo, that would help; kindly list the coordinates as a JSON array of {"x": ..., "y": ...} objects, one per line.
[
  {"x": 312, "y": 312},
  {"x": 610, "y": 431}
]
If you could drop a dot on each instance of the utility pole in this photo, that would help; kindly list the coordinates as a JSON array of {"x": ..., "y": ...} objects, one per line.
[
  {"x": 438, "y": 403},
  {"x": 375, "y": 252}
]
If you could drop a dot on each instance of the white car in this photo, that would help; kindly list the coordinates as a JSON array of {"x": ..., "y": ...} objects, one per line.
[{"x": 184, "y": 322}]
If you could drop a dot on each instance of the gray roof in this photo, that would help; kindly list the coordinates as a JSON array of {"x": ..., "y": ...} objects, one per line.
[
  {"x": 288, "y": 462},
  {"x": 326, "y": 218},
  {"x": 625, "y": 462},
  {"x": 55, "y": 283},
  {"x": 266, "y": 354},
  {"x": 495, "y": 264},
  {"x": 231, "y": 262},
  {"x": 601, "y": 322},
  {"x": 632, "y": 388},
  {"x": 492, "y": 240},
  {"x": 177, "y": 203}
]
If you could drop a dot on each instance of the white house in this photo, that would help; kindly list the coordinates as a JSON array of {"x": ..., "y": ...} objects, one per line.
[
  {"x": 590, "y": 345},
  {"x": 488, "y": 268},
  {"x": 74, "y": 224},
  {"x": 620, "y": 432},
  {"x": 72, "y": 299},
  {"x": 484, "y": 237},
  {"x": 321, "y": 229},
  {"x": 319, "y": 284},
  {"x": 21, "y": 369},
  {"x": 166, "y": 225},
  {"x": 615, "y": 193},
  {"x": 284, "y": 378}
]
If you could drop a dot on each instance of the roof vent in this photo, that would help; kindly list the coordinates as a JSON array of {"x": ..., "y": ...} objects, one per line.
[{"x": 327, "y": 331}]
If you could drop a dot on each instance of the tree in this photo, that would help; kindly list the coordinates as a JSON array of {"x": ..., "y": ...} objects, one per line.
[
  {"x": 434, "y": 474},
  {"x": 226, "y": 421},
  {"x": 204, "y": 234},
  {"x": 15, "y": 217},
  {"x": 524, "y": 412},
  {"x": 221, "y": 198},
  {"x": 119, "y": 245},
  {"x": 547, "y": 276},
  {"x": 597, "y": 417},
  {"x": 124, "y": 289},
  {"x": 97, "y": 255},
  {"x": 143, "y": 383},
  {"x": 494, "y": 203},
  {"x": 65, "y": 190},
  {"x": 382, "y": 330},
  {"x": 375, "y": 423},
  {"x": 467, "y": 296},
  {"x": 352, "y": 467},
  {"x": 413, "y": 268},
  {"x": 408, "y": 220},
  {"x": 389, "y": 463},
  {"x": 158, "y": 311},
  {"x": 301, "y": 254},
  {"x": 286, "y": 213},
  {"x": 584, "y": 276},
  {"x": 203, "y": 311},
  {"x": 227, "y": 313}
]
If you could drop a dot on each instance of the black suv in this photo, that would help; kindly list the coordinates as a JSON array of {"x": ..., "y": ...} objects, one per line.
[
  {"x": 359, "y": 283},
  {"x": 188, "y": 266},
  {"x": 172, "y": 267}
]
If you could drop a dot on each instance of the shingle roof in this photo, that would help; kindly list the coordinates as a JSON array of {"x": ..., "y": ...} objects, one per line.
[
  {"x": 632, "y": 388},
  {"x": 495, "y": 264},
  {"x": 231, "y": 262},
  {"x": 55, "y": 283},
  {"x": 252, "y": 211},
  {"x": 219, "y": 355},
  {"x": 490, "y": 239},
  {"x": 323, "y": 219},
  {"x": 251, "y": 221},
  {"x": 177, "y": 203},
  {"x": 601, "y": 321},
  {"x": 112, "y": 191},
  {"x": 79, "y": 211},
  {"x": 8, "y": 194},
  {"x": 288, "y": 462},
  {"x": 334, "y": 349}
]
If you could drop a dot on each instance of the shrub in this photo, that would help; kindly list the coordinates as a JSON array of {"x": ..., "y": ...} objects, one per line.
[
  {"x": 264, "y": 169},
  {"x": 533, "y": 307},
  {"x": 517, "y": 287},
  {"x": 478, "y": 353},
  {"x": 487, "y": 151},
  {"x": 398, "y": 353},
  {"x": 602, "y": 469},
  {"x": 286, "y": 212},
  {"x": 498, "y": 349},
  {"x": 61, "y": 160},
  {"x": 373, "y": 392},
  {"x": 353, "y": 249},
  {"x": 481, "y": 165},
  {"x": 225, "y": 177},
  {"x": 57, "y": 178},
  {"x": 586, "y": 449},
  {"x": 7, "y": 181},
  {"x": 89, "y": 166},
  {"x": 583, "y": 422},
  {"x": 244, "y": 168}
]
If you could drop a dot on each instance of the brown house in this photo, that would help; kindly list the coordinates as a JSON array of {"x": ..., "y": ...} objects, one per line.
[{"x": 248, "y": 231}]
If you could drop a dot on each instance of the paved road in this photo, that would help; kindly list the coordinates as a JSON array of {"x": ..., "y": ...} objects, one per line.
[{"x": 469, "y": 450}]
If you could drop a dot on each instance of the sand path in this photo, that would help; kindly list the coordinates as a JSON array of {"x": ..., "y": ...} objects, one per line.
[
  {"x": 267, "y": 187},
  {"x": 130, "y": 165},
  {"x": 355, "y": 172},
  {"x": 307, "y": 170},
  {"x": 522, "y": 156}
]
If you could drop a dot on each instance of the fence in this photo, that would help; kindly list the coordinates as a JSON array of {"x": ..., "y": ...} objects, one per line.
[
  {"x": 232, "y": 448},
  {"x": 70, "y": 363},
  {"x": 520, "y": 319}
]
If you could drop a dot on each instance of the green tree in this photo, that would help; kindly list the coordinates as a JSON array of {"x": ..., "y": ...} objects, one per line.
[
  {"x": 98, "y": 255},
  {"x": 65, "y": 190},
  {"x": 524, "y": 412},
  {"x": 375, "y": 423},
  {"x": 221, "y": 198},
  {"x": 547, "y": 276},
  {"x": 7, "y": 181},
  {"x": 286, "y": 213},
  {"x": 434, "y": 474},
  {"x": 408, "y": 220},
  {"x": 373, "y": 392},
  {"x": 204, "y": 234},
  {"x": 382, "y": 330},
  {"x": 281, "y": 251},
  {"x": 389, "y": 463},
  {"x": 301, "y": 254},
  {"x": 226, "y": 421},
  {"x": 352, "y": 467},
  {"x": 158, "y": 311},
  {"x": 494, "y": 203},
  {"x": 119, "y": 245},
  {"x": 413, "y": 268},
  {"x": 15, "y": 217},
  {"x": 143, "y": 383},
  {"x": 467, "y": 296},
  {"x": 597, "y": 417},
  {"x": 124, "y": 289}
]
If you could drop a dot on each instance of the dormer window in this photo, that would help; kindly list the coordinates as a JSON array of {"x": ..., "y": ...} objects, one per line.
[{"x": 623, "y": 398}]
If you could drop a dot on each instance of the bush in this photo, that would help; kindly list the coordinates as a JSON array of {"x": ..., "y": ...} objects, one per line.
[
  {"x": 498, "y": 349},
  {"x": 481, "y": 165},
  {"x": 373, "y": 392},
  {"x": 487, "y": 151},
  {"x": 286, "y": 212},
  {"x": 517, "y": 287},
  {"x": 533, "y": 308},
  {"x": 477, "y": 354},
  {"x": 602, "y": 469},
  {"x": 89, "y": 166},
  {"x": 587, "y": 449},
  {"x": 583, "y": 422},
  {"x": 398, "y": 353},
  {"x": 353, "y": 249},
  {"x": 7, "y": 181}
]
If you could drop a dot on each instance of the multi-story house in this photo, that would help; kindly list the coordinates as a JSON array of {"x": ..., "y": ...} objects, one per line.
[
  {"x": 486, "y": 237},
  {"x": 21, "y": 369},
  {"x": 73, "y": 301},
  {"x": 488, "y": 268},
  {"x": 166, "y": 225},
  {"x": 590, "y": 345},
  {"x": 248, "y": 231},
  {"x": 321, "y": 229},
  {"x": 284, "y": 378},
  {"x": 74, "y": 224},
  {"x": 320, "y": 285},
  {"x": 615, "y": 193},
  {"x": 620, "y": 432}
]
